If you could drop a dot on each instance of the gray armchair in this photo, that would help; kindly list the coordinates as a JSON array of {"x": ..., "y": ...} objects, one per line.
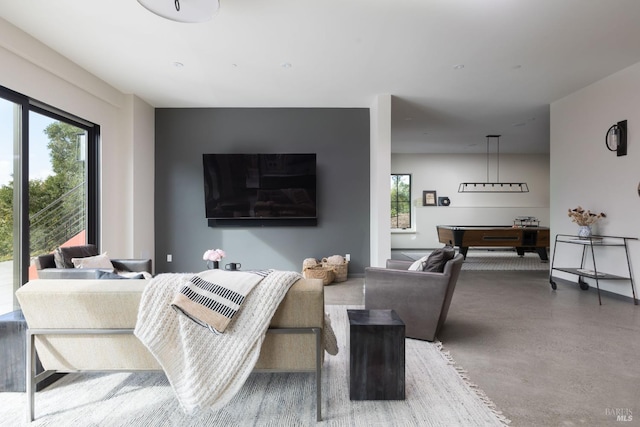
[
  {"x": 48, "y": 268},
  {"x": 420, "y": 298}
]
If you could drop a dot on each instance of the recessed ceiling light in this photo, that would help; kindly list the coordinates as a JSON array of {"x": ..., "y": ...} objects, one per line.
[
  {"x": 178, "y": 64},
  {"x": 458, "y": 67}
]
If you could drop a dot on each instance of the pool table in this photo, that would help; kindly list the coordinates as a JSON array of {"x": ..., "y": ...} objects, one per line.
[{"x": 521, "y": 238}]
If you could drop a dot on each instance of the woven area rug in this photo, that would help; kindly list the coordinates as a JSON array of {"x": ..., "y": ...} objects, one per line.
[
  {"x": 437, "y": 394},
  {"x": 492, "y": 260}
]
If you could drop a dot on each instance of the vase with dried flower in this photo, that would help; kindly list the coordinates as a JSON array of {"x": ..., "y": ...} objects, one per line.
[
  {"x": 585, "y": 219},
  {"x": 213, "y": 257}
]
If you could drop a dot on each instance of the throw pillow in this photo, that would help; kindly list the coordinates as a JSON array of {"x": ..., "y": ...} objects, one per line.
[
  {"x": 438, "y": 258},
  {"x": 58, "y": 258},
  {"x": 64, "y": 255},
  {"x": 419, "y": 264},
  {"x": 98, "y": 261},
  {"x": 101, "y": 274}
]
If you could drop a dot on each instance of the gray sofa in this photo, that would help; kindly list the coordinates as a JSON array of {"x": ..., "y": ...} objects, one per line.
[{"x": 48, "y": 267}]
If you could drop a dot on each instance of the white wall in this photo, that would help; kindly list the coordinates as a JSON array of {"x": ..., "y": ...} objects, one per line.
[
  {"x": 380, "y": 158},
  {"x": 31, "y": 68},
  {"x": 584, "y": 172},
  {"x": 142, "y": 178},
  {"x": 444, "y": 172}
]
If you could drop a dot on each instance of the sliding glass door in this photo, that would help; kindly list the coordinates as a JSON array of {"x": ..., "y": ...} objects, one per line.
[
  {"x": 57, "y": 185},
  {"x": 10, "y": 114},
  {"x": 48, "y": 187}
]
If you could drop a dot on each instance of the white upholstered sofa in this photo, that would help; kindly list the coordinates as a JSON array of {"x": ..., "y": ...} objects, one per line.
[{"x": 87, "y": 325}]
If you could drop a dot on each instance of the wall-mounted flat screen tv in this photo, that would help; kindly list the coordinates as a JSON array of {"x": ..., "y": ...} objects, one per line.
[{"x": 270, "y": 189}]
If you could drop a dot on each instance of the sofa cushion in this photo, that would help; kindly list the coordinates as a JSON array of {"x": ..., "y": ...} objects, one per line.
[
  {"x": 45, "y": 261},
  {"x": 63, "y": 255},
  {"x": 98, "y": 261},
  {"x": 438, "y": 258}
]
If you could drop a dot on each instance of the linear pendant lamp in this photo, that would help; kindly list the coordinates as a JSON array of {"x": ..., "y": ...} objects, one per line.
[
  {"x": 190, "y": 11},
  {"x": 493, "y": 186}
]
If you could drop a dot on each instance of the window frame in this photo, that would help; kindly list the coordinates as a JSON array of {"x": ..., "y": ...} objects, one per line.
[
  {"x": 21, "y": 178},
  {"x": 92, "y": 159},
  {"x": 408, "y": 202}
]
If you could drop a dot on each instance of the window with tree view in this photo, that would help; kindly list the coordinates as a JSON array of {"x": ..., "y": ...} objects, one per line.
[
  {"x": 48, "y": 187},
  {"x": 400, "y": 201},
  {"x": 57, "y": 184}
]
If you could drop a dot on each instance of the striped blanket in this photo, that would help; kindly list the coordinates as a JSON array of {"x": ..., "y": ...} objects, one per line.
[
  {"x": 206, "y": 370},
  {"x": 213, "y": 297}
]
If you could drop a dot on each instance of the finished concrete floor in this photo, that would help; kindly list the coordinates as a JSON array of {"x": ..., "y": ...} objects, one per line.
[{"x": 544, "y": 357}]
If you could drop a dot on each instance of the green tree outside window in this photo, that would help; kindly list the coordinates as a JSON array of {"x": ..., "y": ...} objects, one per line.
[
  {"x": 68, "y": 173},
  {"x": 400, "y": 201}
]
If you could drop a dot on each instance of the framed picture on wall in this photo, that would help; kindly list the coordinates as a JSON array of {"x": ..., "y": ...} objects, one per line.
[{"x": 429, "y": 198}]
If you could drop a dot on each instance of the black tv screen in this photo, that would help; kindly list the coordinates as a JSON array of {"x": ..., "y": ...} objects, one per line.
[{"x": 271, "y": 188}]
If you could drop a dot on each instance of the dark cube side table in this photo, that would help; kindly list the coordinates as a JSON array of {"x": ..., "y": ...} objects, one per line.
[
  {"x": 13, "y": 354},
  {"x": 13, "y": 348},
  {"x": 376, "y": 361}
]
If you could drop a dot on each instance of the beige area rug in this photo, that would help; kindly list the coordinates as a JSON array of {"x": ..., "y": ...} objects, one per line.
[
  {"x": 478, "y": 259},
  {"x": 436, "y": 395}
]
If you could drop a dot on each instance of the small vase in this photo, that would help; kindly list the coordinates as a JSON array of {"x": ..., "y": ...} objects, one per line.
[
  {"x": 213, "y": 265},
  {"x": 584, "y": 231}
]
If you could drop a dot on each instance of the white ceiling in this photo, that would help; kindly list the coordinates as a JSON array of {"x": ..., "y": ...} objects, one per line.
[{"x": 518, "y": 57}]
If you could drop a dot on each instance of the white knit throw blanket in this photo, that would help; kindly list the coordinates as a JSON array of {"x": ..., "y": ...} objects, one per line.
[{"x": 207, "y": 370}]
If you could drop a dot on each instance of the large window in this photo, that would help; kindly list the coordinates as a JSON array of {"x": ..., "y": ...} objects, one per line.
[
  {"x": 400, "y": 201},
  {"x": 48, "y": 187}
]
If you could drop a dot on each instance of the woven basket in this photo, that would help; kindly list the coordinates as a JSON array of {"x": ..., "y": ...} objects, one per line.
[
  {"x": 309, "y": 262},
  {"x": 340, "y": 270},
  {"x": 319, "y": 272}
]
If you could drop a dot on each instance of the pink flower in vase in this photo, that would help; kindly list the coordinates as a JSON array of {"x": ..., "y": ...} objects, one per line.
[{"x": 213, "y": 256}]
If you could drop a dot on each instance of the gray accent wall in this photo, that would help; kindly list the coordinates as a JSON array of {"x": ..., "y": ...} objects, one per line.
[{"x": 338, "y": 136}]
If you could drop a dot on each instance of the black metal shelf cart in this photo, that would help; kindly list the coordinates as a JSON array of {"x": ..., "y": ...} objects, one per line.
[{"x": 588, "y": 245}]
